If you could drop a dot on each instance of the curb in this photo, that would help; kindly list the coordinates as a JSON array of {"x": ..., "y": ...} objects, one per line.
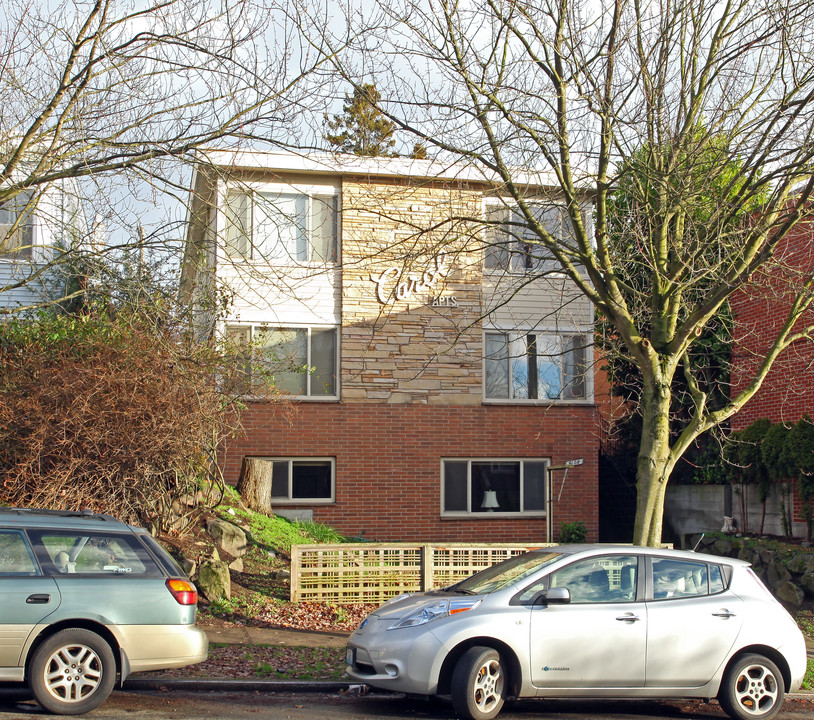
[
  {"x": 225, "y": 685},
  {"x": 290, "y": 686}
]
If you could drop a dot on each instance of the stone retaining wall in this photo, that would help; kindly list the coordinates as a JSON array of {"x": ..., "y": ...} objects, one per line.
[{"x": 788, "y": 573}]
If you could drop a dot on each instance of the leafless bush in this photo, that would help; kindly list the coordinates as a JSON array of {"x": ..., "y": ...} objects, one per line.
[{"x": 116, "y": 412}]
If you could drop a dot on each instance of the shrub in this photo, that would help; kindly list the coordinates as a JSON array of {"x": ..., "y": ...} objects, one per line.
[{"x": 573, "y": 532}]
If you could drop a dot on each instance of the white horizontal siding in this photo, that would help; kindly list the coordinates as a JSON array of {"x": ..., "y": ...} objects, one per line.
[
  {"x": 284, "y": 295},
  {"x": 33, "y": 292},
  {"x": 544, "y": 303}
]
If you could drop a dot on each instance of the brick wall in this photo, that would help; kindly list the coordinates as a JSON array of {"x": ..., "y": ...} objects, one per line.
[
  {"x": 388, "y": 462},
  {"x": 760, "y": 309}
]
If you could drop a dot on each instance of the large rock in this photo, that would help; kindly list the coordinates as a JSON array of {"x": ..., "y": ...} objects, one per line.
[
  {"x": 722, "y": 547},
  {"x": 213, "y": 580},
  {"x": 777, "y": 574},
  {"x": 807, "y": 581},
  {"x": 229, "y": 537},
  {"x": 789, "y": 593},
  {"x": 798, "y": 563}
]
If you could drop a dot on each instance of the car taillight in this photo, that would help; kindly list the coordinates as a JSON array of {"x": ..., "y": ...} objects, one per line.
[{"x": 183, "y": 591}]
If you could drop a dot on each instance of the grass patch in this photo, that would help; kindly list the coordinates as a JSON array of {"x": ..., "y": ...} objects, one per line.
[
  {"x": 306, "y": 663},
  {"x": 808, "y": 679},
  {"x": 274, "y": 532},
  {"x": 248, "y": 605},
  {"x": 321, "y": 533}
]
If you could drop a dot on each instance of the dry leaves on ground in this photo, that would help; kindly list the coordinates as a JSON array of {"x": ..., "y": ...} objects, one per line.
[{"x": 265, "y": 663}]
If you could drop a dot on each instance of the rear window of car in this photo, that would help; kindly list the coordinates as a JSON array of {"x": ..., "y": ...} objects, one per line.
[
  {"x": 163, "y": 557},
  {"x": 674, "y": 578},
  {"x": 15, "y": 554},
  {"x": 63, "y": 552}
]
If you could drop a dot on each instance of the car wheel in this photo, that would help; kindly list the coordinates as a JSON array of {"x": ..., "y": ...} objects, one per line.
[
  {"x": 477, "y": 684},
  {"x": 752, "y": 689},
  {"x": 72, "y": 672}
]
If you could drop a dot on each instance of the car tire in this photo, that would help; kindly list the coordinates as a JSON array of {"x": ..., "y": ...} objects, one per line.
[
  {"x": 478, "y": 683},
  {"x": 752, "y": 689},
  {"x": 72, "y": 672}
]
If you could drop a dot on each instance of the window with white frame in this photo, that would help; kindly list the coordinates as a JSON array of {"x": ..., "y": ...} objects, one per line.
[
  {"x": 281, "y": 227},
  {"x": 297, "y": 480},
  {"x": 17, "y": 226},
  {"x": 298, "y": 361},
  {"x": 535, "y": 366},
  {"x": 494, "y": 486},
  {"x": 512, "y": 246}
]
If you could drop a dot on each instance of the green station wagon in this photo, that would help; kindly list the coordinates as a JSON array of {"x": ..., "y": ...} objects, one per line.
[{"x": 86, "y": 600}]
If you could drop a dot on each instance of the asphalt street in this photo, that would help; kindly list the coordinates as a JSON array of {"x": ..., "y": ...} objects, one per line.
[{"x": 200, "y": 705}]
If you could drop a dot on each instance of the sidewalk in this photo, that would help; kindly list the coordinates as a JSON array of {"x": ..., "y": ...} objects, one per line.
[{"x": 274, "y": 636}]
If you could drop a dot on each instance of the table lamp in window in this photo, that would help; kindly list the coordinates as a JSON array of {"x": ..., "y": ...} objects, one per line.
[{"x": 489, "y": 501}]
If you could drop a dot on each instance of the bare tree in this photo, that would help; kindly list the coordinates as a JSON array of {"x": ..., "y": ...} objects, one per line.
[
  {"x": 104, "y": 99},
  {"x": 692, "y": 88}
]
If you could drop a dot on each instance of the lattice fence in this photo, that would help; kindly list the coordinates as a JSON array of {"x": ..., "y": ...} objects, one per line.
[{"x": 374, "y": 572}]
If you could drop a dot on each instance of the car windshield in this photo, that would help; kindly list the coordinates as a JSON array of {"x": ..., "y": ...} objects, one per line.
[{"x": 505, "y": 573}]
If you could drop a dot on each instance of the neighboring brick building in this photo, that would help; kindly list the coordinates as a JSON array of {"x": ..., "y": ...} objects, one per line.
[
  {"x": 760, "y": 309},
  {"x": 446, "y": 376}
]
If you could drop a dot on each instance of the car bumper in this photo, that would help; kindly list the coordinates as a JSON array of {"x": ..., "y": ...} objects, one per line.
[
  {"x": 398, "y": 660},
  {"x": 158, "y": 647}
]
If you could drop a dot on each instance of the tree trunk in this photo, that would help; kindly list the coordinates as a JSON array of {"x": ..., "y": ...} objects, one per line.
[
  {"x": 254, "y": 484},
  {"x": 654, "y": 466}
]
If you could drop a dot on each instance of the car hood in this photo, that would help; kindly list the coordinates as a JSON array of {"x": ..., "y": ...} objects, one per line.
[{"x": 400, "y": 607}]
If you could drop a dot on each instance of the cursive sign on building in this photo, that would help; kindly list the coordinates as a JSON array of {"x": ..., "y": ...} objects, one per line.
[{"x": 392, "y": 284}]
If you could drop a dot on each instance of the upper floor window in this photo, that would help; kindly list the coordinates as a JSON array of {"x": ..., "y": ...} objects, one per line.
[
  {"x": 281, "y": 227},
  {"x": 298, "y": 361},
  {"x": 512, "y": 246},
  {"x": 16, "y": 226},
  {"x": 536, "y": 366}
]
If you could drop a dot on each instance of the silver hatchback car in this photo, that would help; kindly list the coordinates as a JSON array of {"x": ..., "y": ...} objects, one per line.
[{"x": 588, "y": 621}]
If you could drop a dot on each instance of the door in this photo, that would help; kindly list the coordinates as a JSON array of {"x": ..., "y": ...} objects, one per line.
[
  {"x": 25, "y": 596},
  {"x": 692, "y": 623},
  {"x": 598, "y": 640}
]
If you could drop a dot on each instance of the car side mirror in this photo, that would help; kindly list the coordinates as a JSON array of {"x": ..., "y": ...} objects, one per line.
[
  {"x": 558, "y": 596},
  {"x": 553, "y": 596}
]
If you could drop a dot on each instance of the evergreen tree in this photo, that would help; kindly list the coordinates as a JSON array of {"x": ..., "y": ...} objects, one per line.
[{"x": 363, "y": 129}]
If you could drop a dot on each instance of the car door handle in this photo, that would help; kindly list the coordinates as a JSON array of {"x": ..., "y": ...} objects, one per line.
[
  {"x": 38, "y": 599},
  {"x": 724, "y": 613},
  {"x": 628, "y": 617}
]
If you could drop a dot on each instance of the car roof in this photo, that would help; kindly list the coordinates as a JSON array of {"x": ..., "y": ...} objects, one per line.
[
  {"x": 590, "y": 549},
  {"x": 11, "y": 517}
]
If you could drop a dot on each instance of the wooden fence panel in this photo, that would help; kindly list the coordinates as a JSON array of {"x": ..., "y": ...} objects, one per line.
[{"x": 374, "y": 572}]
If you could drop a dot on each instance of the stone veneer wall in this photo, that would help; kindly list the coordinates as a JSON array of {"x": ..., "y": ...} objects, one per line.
[{"x": 407, "y": 350}]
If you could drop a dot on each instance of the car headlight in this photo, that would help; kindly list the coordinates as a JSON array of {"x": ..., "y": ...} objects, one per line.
[{"x": 428, "y": 613}]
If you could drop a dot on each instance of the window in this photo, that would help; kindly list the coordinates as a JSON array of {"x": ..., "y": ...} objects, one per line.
[
  {"x": 15, "y": 555},
  {"x": 514, "y": 247},
  {"x": 535, "y": 366},
  {"x": 603, "y": 579},
  {"x": 490, "y": 486},
  {"x": 281, "y": 227},
  {"x": 298, "y": 361},
  {"x": 67, "y": 553},
  {"x": 16, "y": 226},
  {"x": 296, "y": 480},
  {"x": 679, "y": 578}
]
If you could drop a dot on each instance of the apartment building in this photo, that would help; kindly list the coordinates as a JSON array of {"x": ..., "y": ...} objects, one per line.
[{"x": 438, "y": 367}]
